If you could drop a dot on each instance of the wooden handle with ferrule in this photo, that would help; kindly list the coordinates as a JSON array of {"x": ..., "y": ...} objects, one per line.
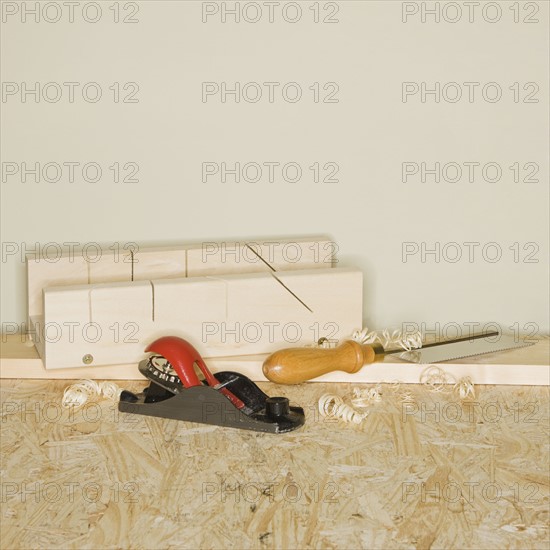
[{"x": 296, "y": 365}]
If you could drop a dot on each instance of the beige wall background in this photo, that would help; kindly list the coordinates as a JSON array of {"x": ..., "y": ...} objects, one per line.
[{"x": 150, "y": 67}]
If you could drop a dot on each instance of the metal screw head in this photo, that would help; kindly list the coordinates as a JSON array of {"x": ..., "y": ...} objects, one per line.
[{"x": 87, "y": 359}]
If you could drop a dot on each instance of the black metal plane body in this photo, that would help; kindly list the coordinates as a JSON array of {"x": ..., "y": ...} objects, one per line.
[{"x": 206, "y": 405}]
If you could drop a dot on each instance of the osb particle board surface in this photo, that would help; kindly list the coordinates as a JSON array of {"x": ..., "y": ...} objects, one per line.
[{"x": 434, "y": 473}]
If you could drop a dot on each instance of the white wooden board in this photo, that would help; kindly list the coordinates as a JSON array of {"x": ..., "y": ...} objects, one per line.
[
  {"x": 131, "y": 263},
  {"x": 522, "y": 366},
  {"x": 281, "y": 255},
  {"x": 222, "y": 315}
]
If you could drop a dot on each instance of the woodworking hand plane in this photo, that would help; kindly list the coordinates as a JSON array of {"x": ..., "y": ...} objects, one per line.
[{"x": 228, "y": 399}]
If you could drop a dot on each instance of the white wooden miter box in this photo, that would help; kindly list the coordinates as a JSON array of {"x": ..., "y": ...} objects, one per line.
[{"x": 227, "y": 299}]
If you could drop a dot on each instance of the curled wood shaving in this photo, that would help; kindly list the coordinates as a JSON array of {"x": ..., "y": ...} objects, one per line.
[{"x": 76, "y": 395}]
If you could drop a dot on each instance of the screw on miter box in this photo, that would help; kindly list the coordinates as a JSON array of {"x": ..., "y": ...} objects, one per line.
[{"x": 228, "y": 399}]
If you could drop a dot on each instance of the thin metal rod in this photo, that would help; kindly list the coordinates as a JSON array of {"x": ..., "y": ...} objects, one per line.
[{"x": 442, "y": 343}]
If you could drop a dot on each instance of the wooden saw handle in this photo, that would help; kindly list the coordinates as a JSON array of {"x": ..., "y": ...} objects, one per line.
[{"x": 295, "y": 365}]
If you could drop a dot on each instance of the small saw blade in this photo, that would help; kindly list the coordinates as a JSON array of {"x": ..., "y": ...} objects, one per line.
[{"x": 458, "y": 350}]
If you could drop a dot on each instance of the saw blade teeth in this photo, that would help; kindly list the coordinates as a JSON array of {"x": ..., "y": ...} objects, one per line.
[
  {"x": 453, "y": 351},
  {"x": 523, "y": 345}
]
